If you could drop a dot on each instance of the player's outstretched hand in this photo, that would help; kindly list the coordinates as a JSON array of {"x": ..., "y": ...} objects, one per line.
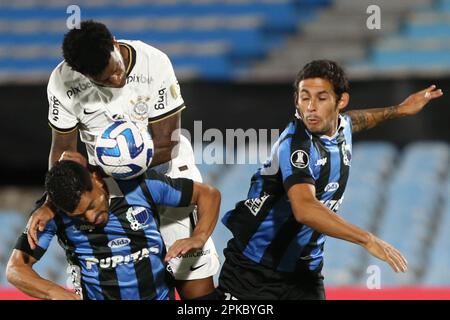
[
  {"x": 415, "y": 102},
  {"x": 384, "y": 251},
  {"x": 37, "y": 222},
  {"x": 182, "y": 246}
]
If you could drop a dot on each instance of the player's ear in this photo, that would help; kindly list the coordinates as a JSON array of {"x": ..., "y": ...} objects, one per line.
[
  {"x": 115, "y": 42},
  {"x": 343, "y": 101},
  {"x": 97, "y": 179}
]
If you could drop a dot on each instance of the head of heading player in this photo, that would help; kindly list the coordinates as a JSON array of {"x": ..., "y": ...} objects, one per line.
[
  {"x": 320, "y": 93},
  {"x": 95, "y": 53},
  {"x": 77, "y": 192}
]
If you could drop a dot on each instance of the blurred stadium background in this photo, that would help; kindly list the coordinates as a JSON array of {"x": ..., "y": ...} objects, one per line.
[{"x": 235, "y": 60}]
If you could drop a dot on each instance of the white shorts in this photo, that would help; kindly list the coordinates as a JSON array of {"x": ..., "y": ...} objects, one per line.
[{"x": 178, "y": 223}]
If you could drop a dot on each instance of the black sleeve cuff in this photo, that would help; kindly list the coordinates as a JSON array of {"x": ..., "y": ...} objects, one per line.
[
  {"x": 62, "y": 130},
  {"x": 296, "y": 179},
  {"x": 23, "y": 245},
  {"x": 167, "y": 114},
  {"x": 187, "y": 189}
]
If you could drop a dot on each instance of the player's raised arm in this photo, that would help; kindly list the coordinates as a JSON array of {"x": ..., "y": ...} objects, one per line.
[
  {"x": 165, "y": 135},
  {"x": 368, "y": 118},
  {"x": 61, "y": 142},
  {"x": 207, "y": 200},
  {"x": 311, "y": 212}
]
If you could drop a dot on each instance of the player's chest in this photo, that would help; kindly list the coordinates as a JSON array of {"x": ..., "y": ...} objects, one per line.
[
  {"x": 133, "y": 226},
  {"x": 331, "y": 165},
  {"x": 132, "y": 103}
]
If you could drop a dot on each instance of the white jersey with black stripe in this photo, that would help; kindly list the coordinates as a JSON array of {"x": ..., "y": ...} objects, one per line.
[{"x": 151, "y": 93}]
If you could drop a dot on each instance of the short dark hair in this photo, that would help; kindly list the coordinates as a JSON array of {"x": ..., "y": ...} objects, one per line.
[
  {"x": 65, "y": 183},
  {"x": 88, "y": 49},
  {"x": 325, "y": 69}
]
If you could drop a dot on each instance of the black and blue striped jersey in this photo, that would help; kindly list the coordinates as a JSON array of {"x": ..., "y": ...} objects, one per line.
[
  {"x": 125, "y": 258},
  {"x": 263, "y": 226}
]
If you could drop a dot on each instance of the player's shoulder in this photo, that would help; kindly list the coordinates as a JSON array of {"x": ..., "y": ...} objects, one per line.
[
  {"x": 63, "y": 78},
  {"x": 295, "y": 131},
  {"x": 345, "y": 121},
  {"x": 150, "y": 51}
]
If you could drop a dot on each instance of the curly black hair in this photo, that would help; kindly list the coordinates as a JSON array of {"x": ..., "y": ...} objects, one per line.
[
  {"x": 325, "y": 69},
  {"x": 88, "y": 49},
  {"x": 65, "y": 183}
]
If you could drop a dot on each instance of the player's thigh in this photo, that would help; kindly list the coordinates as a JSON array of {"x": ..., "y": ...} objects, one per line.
[{"x": 178, "y": 223}]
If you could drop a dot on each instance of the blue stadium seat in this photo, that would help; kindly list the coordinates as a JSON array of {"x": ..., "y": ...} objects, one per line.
[{"x": 246, "y": 43}]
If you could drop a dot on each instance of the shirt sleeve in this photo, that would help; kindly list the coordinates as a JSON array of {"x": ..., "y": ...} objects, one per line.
[
  {"x": 295, "y": 159},
  {"x": 60, "y": 117},
  {"x": 44, "y": 239},
  {"x": 348, "y": 119},
  {"x": 169, "y": 100},
  {"x": 170, "y": 192}
]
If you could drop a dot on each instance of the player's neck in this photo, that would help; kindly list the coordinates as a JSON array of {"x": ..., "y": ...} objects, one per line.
[
  {"x": 125, "y": 54},
  {"x": 334, "y": 128}
]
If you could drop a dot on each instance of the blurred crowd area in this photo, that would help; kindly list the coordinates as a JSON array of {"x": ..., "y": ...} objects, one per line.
[{"x": 241, "y": 40}]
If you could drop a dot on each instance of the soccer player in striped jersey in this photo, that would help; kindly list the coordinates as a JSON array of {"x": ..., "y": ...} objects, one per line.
[
  {"x": 109, "y": 230},
  {"x": 279, "y": 231},
  {"x": 102, "y": 80}
]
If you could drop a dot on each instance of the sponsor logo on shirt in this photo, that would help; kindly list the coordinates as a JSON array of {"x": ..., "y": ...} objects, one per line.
[
  {"x": 333, "y": 204},
  {"x": 119, "y": 242},
  {"x": 346, "y": 154},
  {"x": 162, "y": 99},
  {"x": 196, "y": 254},
  {"x": 73, "y": 91},
  {"x": 321, "y": 162},
  {"x": 175, "y": 90},
  {"x": 117, "y": 260},
  {"x": 254, "y": 205},
  {"x": 332, "y": 186},
  {"x": 55, "y": 104},
  {"x": 140, "y": 79}
]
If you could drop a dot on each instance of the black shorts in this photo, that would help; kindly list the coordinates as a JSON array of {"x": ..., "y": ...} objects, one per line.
[{"x": 244, "y": 279}]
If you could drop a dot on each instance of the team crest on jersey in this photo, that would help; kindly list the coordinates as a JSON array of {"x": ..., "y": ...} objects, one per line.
[
  {"x": 346, "y": 154},
  {"x": 299, "y": 159},
  {"x": 138, "y": 217},
  {"x": 140, "y": 108}
]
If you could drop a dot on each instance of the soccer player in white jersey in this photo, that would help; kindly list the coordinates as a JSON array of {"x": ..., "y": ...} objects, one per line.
[{"x": 102, "y": 80}]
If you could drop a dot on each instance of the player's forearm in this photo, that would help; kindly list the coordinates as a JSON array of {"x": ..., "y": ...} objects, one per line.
[
  {"x": 164, "y": 152},
  {"x": 61, "y": 142},
  {"x": 28, "y": 281},
  {"x": 208, "y": 205},
  {"x": 166, "y": 138},
  {"x": 368, "y": 118},
  {"x": 317, "y": 216}
]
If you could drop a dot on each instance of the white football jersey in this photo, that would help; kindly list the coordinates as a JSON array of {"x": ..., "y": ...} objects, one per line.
[{"x": 151, "y": 93}]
